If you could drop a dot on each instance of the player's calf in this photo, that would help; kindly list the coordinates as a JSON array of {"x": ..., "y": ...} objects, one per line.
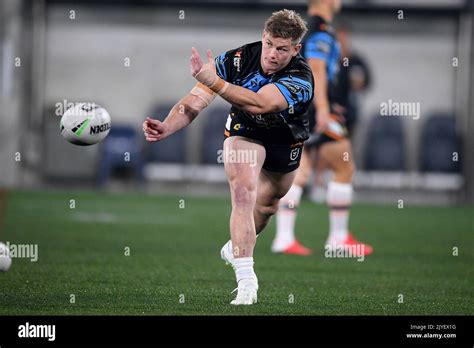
[{"x": 262, "y": 215}]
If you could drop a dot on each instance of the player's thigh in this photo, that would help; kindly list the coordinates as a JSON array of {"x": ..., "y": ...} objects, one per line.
[
  {"x": 243, "y": 159},
  {"x": 272, "y": 186},
  {"x": 337, "y": 155}
]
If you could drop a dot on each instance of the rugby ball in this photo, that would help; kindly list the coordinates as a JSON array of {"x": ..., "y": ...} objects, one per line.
[
  {"x": 85, "y": 124},
  {"x": 5, "y": 260}
]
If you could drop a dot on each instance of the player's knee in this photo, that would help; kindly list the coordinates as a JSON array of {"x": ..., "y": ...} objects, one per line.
[
  {"x": 267, "y": 210},
  {"x": 345, "y": 172},
  {"x": 350, "y": 169}
]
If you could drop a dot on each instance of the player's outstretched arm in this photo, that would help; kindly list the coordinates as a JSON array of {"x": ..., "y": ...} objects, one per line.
[
  {"x": 267, "y": 99},
  {"x": 180, "y": 115}
]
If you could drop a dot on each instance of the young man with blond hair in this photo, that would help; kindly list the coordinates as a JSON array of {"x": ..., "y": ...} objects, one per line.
[{"x": 270, "y": 87}]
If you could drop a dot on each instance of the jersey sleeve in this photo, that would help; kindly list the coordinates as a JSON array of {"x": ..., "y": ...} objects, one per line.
[
  {"x": 318, "y": 46},
  {"x": 224, "y": 65},
  {"x": 296, "y": 88}
]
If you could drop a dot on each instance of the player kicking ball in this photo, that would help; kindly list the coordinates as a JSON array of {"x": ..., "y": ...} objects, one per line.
[
  {"x": 270, "y": 87},
  {"x": 329, "y": 138}
]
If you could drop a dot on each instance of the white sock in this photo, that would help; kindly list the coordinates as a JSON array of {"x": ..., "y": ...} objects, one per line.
[
  {"x": 243, "y": 268},
  {"x": 339, "y": 200},
  {"x": 286, "y": 216},
  {"x": 318, "y": 194}
]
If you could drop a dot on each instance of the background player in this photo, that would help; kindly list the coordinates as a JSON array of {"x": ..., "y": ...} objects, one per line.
[
  {"x": 352, "y": 80},
  {"x": 270, "y": 87},
  {"x": 330, "y": 139}
]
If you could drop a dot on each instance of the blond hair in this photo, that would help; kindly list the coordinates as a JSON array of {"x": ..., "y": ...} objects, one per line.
[{"x": 286, "y": 24}]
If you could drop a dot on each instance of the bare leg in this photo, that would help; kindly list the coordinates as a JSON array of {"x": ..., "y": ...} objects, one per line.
[
  {"x": 338, "y": 157},
  {"x": 284, "y": 240},
  {"x": 243, "y": 181},
  {"x": 271, "y": 188}
]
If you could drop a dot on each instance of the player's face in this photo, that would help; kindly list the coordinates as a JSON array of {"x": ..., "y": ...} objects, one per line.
[{"x": 276, "y": 53}]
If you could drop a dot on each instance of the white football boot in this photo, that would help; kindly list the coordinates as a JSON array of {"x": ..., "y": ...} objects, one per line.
[
  {"x": 246, "y": 292},
  {"x": 226, "y": 253},
  {"x": 247, "y": 288}
]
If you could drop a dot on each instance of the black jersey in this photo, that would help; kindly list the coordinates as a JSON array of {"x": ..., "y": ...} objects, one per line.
[{"x": 241, "y": 67}]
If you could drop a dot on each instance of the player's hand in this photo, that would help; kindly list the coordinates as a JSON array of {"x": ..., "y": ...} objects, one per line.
[
  {"x": 322, "y": 120},
  {"x": 204, "y": 73},
  {"x": 154, "y": 130}
]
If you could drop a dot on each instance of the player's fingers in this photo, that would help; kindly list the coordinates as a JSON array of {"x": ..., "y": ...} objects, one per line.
[
  {"x": 147, "y": 127},
  {"x": 152, "y": 122},
  {"x": 149, "y": 130},
  {"x": 195, "y": 53},
  {"x": 149, "y": 121},
  {"x": 158, "y": 127},
  {"x": 209, "y": 57},
  {"x": 152, "y": 137},
  {"x": 193, "y": 63},
  {"x": 195, "y": 67}
]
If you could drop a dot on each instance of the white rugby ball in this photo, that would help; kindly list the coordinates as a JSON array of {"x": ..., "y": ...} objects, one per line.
[
  {"x": 85, "y": 124},
  {"x": 5, "y": 260}
]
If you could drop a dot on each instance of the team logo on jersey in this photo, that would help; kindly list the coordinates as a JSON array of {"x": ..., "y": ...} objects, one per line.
[
  {"x": 237, "y": 126},
  {"x": 294, "y": 153},
  {"x": 291, "y": 87}
]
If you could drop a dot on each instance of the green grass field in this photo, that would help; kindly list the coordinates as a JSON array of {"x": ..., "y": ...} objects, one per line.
[{"x": 174, "y": 266}]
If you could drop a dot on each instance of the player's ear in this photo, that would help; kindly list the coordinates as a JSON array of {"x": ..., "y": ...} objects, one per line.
[{"x": 297, "y": 49}]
